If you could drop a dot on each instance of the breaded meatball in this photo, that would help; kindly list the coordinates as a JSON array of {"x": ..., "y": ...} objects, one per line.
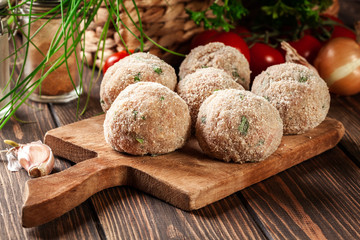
[
  {"x": 197, "y": 86},
  {"x": 299, "y": 94},
  {"x": 147, "y": 118},
  {"x": 138, "y": 67},
  {"x": 239, "y": 126},
  {"x": 217, "y": 55}
]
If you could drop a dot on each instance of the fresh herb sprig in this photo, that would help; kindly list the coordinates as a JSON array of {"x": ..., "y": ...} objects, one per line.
[
  {"x": 222, "y": 16},
  {"x": 268, "y": 20}
]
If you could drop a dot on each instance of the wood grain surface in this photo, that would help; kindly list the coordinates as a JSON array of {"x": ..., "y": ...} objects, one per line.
[
  {"x": 186, "y": 178},
  {"x": 37, "y": 120},
  {"x": 302, "y": 200}
]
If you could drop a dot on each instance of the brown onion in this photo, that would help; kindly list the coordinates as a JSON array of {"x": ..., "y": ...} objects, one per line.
[{"x": 338, "y": 63}]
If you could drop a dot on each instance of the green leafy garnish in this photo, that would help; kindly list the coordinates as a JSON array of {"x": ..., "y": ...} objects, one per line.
[
  {"x": 268, "y": 21},
  {"x": 162, "y": 98},
  {"x": 135, "y": 114},
  {"x": 241, "y": 96},
  {"x": 158, "y": 70},
  {"x": 235, "y": 73},
  {"x": 303, "y": 79},
  {"x": 224, "y": 16},
  {"x": 244, "y": 126},
  {"x": 203, "y": 119},
  {"x": 137, "y": 77},
  {"x": 140, "y": 140},
  {"x": 261, "y": 142}
]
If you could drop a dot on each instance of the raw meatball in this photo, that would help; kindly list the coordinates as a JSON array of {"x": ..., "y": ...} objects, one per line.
[
  {"x": 239, "y": 126},
  {"x": 220, "y": 56},
  {"x": 147, "y": 118},
  {"x": 197, "y": 86},
  {"x": 299, "y": 94},
  {"x": 138, "y": 67}
]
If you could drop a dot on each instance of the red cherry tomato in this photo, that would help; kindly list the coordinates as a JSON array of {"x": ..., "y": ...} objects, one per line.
[
  {"x": 241, "y": 31},
  {"x": 262, "y": 57},
  {"x": 308, "y": 47},
  {"x": 340, "y": 31},
  {"x": 202, "y": 38},
  {"x": 328, "y": 16},
  {"x": 233, "y": 40},
  {"x": 115, "y": 58}
]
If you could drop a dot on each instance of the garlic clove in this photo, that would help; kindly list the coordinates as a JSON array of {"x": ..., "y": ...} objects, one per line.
[{"x": 36, "y": 158}]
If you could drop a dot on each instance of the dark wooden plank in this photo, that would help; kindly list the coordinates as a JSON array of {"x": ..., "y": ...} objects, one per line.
[
  {"x": 347, "y": 111},
  {"x": 126, "y": 213},
  {"x": 78, "y": 224},
  {"x": 318, "y": 199}
]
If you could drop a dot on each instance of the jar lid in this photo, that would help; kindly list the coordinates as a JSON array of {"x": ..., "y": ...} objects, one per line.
[
  {"x": 44, "y": 3},
  {"x": 3, "y": 4},
  {"x": 40, "y": 6}
]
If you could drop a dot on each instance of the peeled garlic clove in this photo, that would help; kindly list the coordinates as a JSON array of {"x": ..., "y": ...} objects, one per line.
[{"x": 36, "y": 158}]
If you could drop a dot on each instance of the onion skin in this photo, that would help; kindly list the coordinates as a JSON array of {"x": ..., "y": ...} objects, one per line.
[{"x": 338, "y": 63}]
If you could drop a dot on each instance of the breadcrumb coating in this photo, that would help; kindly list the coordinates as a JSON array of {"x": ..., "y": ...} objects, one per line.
[
  {"x": 138, "y": 67},
  {"x": 147, "y": 118},
  {"x": 300, "y": 95},
  {"x": 217, "y": 55},
  {"x": 197, "y": 86},
  {"x": 238, "y": 126}
]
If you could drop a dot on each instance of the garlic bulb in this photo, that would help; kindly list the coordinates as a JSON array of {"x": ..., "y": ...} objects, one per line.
[{"x": 35, "y": 157}]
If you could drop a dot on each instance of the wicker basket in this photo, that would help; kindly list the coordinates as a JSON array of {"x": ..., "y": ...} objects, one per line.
[{"x": 164, "y": 21}]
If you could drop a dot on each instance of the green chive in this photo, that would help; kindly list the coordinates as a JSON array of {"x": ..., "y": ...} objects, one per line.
[
  {"x": 162, "y": 98},
  {"x": 244, "y": 126},
  {"x": 140, "y": 140}
]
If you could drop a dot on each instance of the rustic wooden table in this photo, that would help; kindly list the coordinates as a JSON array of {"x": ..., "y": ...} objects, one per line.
[{"x": 317, "y": 199}]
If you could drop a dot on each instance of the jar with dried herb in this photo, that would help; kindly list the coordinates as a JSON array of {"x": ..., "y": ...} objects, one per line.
[
  {"x": 52, "y": 60},
  {"x": 4, "y": 61}
]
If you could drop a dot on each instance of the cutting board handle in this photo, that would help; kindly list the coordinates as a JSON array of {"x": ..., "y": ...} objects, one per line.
[{"x": 49, "y": 197}]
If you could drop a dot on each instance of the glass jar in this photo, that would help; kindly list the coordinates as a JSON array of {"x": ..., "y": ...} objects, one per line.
[
  {"x": 4, "y": 61},
  {"x": 62, "y": 84}
]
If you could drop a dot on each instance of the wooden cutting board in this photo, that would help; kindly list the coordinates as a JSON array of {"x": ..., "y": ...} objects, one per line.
[{"x": 185, "y": 178}]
